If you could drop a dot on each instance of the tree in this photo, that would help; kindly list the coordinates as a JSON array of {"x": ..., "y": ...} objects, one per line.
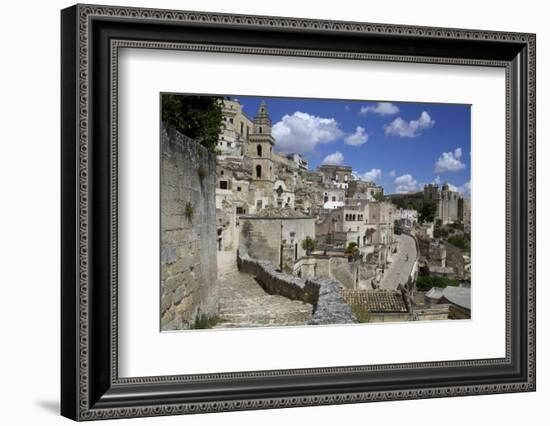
[
  {"x": 352, "y": 249},
  {"x": 460, "y": 241},
  {"x": 309, "y": 244},
  {"x": 198, "y": 117},
  {"x": 441, "y": 232},
  {"x": 397, "y": 228},
  {"x": 427, "y": 214},
  {"x": 425, "y": 282},
  {"x": 378, "y": 196}
]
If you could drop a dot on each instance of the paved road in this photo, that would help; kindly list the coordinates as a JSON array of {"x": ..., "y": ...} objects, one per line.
[{"x": 401, "y": 265}]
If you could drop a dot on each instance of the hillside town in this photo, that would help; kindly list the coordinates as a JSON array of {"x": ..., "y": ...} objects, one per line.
[{"x": 296, "y": 245}]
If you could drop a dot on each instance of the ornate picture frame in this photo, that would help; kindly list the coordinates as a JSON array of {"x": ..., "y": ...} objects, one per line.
[{"x": 91, "y": 37}]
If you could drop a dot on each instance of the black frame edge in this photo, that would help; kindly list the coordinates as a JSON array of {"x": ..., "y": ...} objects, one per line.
[
  {"x": 69, "y": 269},
  {"x": 106, "y": 399}
]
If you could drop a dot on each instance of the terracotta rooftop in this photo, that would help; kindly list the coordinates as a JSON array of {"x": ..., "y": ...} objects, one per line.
[{"x": 379, "y": 300}]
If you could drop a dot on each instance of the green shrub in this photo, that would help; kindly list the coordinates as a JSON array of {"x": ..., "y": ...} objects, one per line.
[
  {"x": 201, "y": 172},
  {"x": 188, "y": 210},
  {"x": 309, "y": 244},
  {"x": 460, "y": 241},
  {"x": 426, "y": 282},
  {"x": 441, "y": 233},
  {"x": 203, "y": 322},
  {"x": 198, "y": 117}
]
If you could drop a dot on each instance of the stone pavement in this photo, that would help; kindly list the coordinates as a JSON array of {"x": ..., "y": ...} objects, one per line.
[
  {"x": 243, "y": 303},
  {"x": 401, "y": 265}
]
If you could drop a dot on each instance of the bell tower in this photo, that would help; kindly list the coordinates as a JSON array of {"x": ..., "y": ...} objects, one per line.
[{"x": 260, "y": 146}]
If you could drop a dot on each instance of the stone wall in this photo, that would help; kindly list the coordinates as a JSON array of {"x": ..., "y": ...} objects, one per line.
[
  {"x": 263, "y": 236},
  {"x": 188, "y": 230},
  {"x": 334, "y": 267},
  {"x": 323, "y": 293}
]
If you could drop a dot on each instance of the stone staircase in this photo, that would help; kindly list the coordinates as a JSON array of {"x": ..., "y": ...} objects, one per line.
[{"x": 243, "y": 303}]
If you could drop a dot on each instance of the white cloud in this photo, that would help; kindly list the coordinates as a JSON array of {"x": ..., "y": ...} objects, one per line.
[
  {"x": 369, "y": 176},
  {"x": 450, "y": 162},
  {"x": 381, "y": 108},
  {"x": 391, "y": 173},
  {"x": 405, "y": 183},
  {"x": 437, "y": 180},
  {"x": 347, "y": 108},
  {"x": 465, "y": 189},
  {"x": 357, "y": 138},
  {"x": 452, "y": 187},
  {"x": 409, "y": 129},
  {"x": 336, "y": 158},
  {"x": 301, "y": 132}
]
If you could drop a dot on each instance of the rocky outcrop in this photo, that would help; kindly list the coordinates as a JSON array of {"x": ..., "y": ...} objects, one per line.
[{"x": 323, "y": 293}]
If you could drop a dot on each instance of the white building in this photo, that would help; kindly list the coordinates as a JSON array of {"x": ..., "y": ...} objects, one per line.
[
  {"x": 408, "y": 217},
  {"x": 300, "y": 161}
]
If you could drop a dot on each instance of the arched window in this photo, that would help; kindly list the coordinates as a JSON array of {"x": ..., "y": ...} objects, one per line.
[
  {"x": 260, "y": 129},
  {"x": 259, "y": 150},
  {"x": 258, "y": 171}
]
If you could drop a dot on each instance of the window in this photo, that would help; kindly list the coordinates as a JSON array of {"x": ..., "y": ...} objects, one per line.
[
  {"x": 223, "y": 184},
  {"x": 238, "y": 188},
  {"x": 247, "y": 131},
  {"x": 258, "y": 205},
  {"x": 259, "y": 150},
  {"x": 333, "y": 198},
  {"x": 242, "y": 127},
  {"x": 258, "y": 171},
  {"x": 221, "y": 173},
  {"x": 240, "y": 210},
  {"x": 260, "y": 129},
  {"x": 231, "y": 120}
]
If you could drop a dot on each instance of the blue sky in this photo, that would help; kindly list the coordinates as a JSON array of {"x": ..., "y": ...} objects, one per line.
[{"x": 401, "y": 146}]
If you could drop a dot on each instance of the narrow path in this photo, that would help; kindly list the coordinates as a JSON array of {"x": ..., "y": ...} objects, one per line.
[
  {"x": 243, "y": 303},
  {"x": 401, "y": 265}
]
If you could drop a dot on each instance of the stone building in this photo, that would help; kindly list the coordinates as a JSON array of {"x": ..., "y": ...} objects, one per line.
[
  {"x": 431, "y": 192},
  {"x": 447, "y": 202},
  {"x": 236, "y": 127},
  {"x": 277, "y": 236},
  {"x": 333, "y": 198},
  {"x": 407, "y": 217},
  {"x": 448, "y": 205},
  {"x": 370, "y": 225},
  {"x": 464, "y": 213},
  {"x": 299, "y": 160},
  {"x": 359, "y": 189},
  {"x": 335, "y": 175}
]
